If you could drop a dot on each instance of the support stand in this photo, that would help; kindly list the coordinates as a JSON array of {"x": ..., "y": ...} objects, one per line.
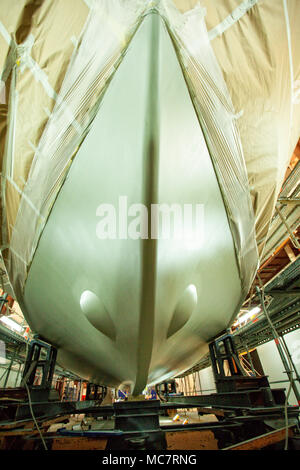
[
  {"x": 139, "y": 423},
  {"x": 95, "y": 392},
  {"x": 166, "y": 389},
  {"x": 39, "y": 367},
  {"x": 222, "y": 351}
]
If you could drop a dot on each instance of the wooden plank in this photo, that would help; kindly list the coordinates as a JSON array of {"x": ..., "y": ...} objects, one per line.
[
  {"x": 14, "y": 425},
  {"x": 79, "y": 443},
  {"x": 58, "y": 419},
  {"x": 172, "y": 412},
  {"x": 19, "y": 432},
  {"x": 191, "y": 440},
  {"x": 211, "y": 411},
  {"x": 262, "y": 441},
  {"x": 16, "y": 428},
  {"x": 13, "y": 394}
]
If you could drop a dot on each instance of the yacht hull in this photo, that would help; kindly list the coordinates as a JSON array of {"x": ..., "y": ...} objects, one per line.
[{"x": 122, "y": 308}]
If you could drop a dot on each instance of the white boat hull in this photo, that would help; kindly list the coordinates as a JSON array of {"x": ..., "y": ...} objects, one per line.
[{"x": 125, "y": 310}]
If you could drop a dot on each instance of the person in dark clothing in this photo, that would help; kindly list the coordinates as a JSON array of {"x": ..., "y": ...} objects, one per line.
[{"x": 153, "y": 394}]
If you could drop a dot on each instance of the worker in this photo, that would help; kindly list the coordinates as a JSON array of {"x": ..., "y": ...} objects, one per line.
[
  {"x": 123, "y": 393},
  {"x": 153, "y": 394}
]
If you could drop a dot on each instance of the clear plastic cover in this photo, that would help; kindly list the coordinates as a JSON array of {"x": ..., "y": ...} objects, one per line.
[{"x": 44, "y": 120}]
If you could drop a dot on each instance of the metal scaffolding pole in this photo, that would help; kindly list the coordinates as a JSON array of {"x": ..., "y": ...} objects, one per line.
[
  {"x": 200, "y": 386},
  {"x": 17, "y": 377},
  {"x": 291, "y": 359},
  {"x": 7, "y": 373},
  {"x": 3, "y": 373},
  {"x": 289, "y": 371},
  {"x": 16, "y": 351},
  {"x": 249, "y": 356},
  {"x": 292, "y": 236}
]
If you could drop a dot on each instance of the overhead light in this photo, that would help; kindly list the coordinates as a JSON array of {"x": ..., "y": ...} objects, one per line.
[
  {"x": 12, "y": 324},
  {"x": 249, "y": 314}
]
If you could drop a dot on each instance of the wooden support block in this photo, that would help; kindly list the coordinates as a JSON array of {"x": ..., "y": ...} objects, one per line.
[
  {"x": 58, "y": 419},
  {"x": 262, "y": 441},
  {"x": 191, "y": 440},
  {"x": 211, "y": 411},
  {"x": 13, "y": 394},
  {"x": 27, "y": 428},
  {"x": 2, "y": 443},
  {"x": 79, "y": 443}
]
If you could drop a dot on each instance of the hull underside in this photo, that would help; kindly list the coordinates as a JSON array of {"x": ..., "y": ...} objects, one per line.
[{"x": 129, "y": 310}]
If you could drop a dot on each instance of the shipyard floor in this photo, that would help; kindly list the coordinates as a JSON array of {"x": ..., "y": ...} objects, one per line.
[
  {"x": 77, "y": 422},
  {"x": 175, "y": 440}
]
